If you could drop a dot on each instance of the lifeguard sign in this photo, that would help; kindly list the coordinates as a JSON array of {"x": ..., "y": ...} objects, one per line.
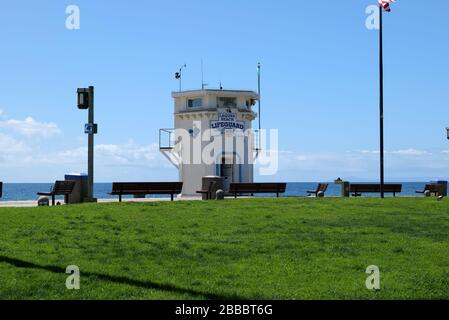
[{"x": 227, "y": 120}]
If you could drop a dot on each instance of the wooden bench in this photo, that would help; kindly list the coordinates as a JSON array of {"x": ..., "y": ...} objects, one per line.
[
  {"x": 358, "y": 189},
  {"x": 432, "y": 188},
  {"x": 145, "y": 188},
  {"x": 255, "y": 188},
  {"x": 60, "y": 188},
  {"x": 322, "y": 187}
]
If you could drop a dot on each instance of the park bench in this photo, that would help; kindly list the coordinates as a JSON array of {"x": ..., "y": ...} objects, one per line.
[
  {"x": 208, "y": 192},
  {"x": 358, "y": 189},
  {"x": 60, "y": 188},
  {"x": 256, "y": 188},
  {"x": 434, "y": 189},
  {"x": 145, "y": 188},
  {"x": 322, "y": 187}
]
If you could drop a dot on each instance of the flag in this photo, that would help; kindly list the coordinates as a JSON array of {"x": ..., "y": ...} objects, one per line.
[{"x": 386, "y": 4}]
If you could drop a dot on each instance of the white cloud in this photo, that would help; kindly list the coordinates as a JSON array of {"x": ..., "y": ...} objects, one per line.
[
  {"x": 411, "y": 152},
  {"x": 12, "y": 150},
  {"x": 404, "y": 152},
  {"x": 129, "y": 161},
  {"x": 128, "y": 155},
  {"x": 28, "y": 162},
  {"x": 400, "y": 165},
  {"x": 31, "y": 128}
]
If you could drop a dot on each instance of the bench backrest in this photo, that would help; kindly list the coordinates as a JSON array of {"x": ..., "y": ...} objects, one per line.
[
  {"x": 322, "y": 187},
  {"x": 258, "y": 187},
  {"x": 212, "y": 186},
  {"x": 63, "y": 187},
  {"x": 433, "y": 187},
  {"x": 375, "y": 188},
  {"x": 127, "y": 187}
]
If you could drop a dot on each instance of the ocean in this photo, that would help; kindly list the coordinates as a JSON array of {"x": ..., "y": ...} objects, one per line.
[{"x": 27, "y": 191}]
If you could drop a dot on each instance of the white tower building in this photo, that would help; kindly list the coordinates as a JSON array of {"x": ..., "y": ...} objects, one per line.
[{"x": 212, "y": 136}]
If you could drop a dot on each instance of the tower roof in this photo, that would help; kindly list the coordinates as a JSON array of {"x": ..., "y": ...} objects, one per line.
[{"x": 218, "y": 92}]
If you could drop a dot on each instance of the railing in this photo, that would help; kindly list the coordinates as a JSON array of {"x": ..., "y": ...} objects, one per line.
[
  {"x": 166, "y": 139},
  {"x": 256, "y": 133}
]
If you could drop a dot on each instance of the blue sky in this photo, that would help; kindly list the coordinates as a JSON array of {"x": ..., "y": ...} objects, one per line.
[{"x": 320, "y": 83}]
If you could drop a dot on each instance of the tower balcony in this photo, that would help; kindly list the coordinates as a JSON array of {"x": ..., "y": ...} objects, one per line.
[
  {"x": 167, "y": 146},
  {"x": 166, "y": 139}
]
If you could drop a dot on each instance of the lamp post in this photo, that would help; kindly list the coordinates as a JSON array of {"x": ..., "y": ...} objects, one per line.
[
  {"x": 381, "y": 106},
  {"x": 383, "y": 5},
  {"x": 259, "y": 103},
  {"x": 86, "y": 101}
]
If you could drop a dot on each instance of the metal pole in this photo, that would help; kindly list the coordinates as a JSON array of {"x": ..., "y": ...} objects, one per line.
[
  {"x": 381, "y": 106},
  {"x": 258, "y": 92},
  {"x": 90, "y": 156},
  {"x": 180, "y": 79}
]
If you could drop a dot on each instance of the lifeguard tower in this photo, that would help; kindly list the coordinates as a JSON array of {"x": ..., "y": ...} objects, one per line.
[{"x": 212, "y": 136}]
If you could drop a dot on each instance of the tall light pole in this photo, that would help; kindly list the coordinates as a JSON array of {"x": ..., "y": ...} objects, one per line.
[
  {"x": 86, "y": 101},
  {"x": 381, "y": 105},
  {"x": 259, "y": 102},
  {"x": 383, "y": 5}
]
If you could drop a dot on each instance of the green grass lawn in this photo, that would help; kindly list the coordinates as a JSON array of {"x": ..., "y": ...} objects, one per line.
[{"x": 293, "y": 248}]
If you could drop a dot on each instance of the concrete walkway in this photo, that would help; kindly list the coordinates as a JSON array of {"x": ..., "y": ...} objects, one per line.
[{"x": 33, "y": 203}]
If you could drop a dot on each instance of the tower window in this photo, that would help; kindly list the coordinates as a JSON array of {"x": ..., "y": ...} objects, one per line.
[
  {"x": 227, "y": 102},
  {"x": 195, "y": 103}
]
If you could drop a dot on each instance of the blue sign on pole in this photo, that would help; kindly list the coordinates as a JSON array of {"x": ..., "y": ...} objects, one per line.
[{"x": 90, "y": 128}]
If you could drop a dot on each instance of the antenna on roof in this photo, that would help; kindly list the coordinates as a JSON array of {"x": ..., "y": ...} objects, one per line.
[
  {"x": 203, "y": 85},
  {"x": 178, "y": 76}
]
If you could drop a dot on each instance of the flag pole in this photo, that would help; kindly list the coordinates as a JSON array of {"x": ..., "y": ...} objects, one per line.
[
  {"x": 258, "y": 93},
  {"x": 381, "y": 106}
]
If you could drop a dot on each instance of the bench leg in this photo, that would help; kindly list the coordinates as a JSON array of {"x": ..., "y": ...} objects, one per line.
[
  {"x": 172, "y": 197},
  {"x": 53, "y": 200},
  {"x": 235, "y": 195},
  {"x": 277, "y": 194},
  {"x": 119, "y": 198}
]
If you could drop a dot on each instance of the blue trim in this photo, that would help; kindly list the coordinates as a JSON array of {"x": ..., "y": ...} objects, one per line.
[{"x": 218, "y": 170}]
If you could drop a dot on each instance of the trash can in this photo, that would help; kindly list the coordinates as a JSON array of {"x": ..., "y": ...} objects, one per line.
[
  {"x": 344, "y": 187},
  {"x": 43, "y": 202},
  {"x": 207, "y": 181},
  {"x": 79, "y": 192}
]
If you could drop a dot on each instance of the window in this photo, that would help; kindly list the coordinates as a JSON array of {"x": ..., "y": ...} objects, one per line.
[
  {"x": 195, "y": 103},
  {"x": 227, "y": 102},
  {"x": 250, "y": 103}
]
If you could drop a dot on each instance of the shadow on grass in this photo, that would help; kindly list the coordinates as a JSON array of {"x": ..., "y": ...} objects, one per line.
[{"x": 121, "y": 280}]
